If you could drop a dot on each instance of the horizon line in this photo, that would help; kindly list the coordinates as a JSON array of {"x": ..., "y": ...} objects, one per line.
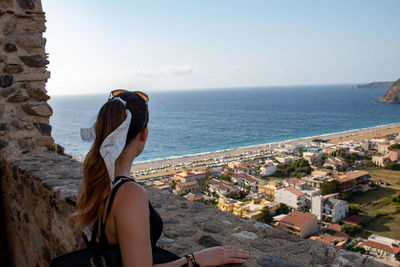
[{"x": 224, "y": 88}]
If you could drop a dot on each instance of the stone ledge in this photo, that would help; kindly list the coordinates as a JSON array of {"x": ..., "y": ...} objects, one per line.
[{"x": 188, "y": 226}]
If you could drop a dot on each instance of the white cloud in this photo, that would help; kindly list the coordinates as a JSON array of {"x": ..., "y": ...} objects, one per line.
[{"x": 169, "y": 70}]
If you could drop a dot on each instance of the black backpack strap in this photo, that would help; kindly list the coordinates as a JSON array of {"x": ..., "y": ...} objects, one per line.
[
  {"x": 114, "y": 190},
  {"x": 92, "y": 243}
]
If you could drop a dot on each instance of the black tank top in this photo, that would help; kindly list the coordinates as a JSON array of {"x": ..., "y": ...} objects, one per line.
[{"x": 156, "y": 227}]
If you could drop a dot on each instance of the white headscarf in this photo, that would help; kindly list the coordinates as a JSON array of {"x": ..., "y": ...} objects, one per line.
[{"x": 114, "y": 143}]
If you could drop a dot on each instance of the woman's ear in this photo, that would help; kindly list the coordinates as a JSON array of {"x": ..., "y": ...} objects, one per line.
[{"x": 143, "y": 134}]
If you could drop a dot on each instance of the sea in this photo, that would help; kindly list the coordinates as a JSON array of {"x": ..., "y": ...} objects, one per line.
[{"x": 189, "y": 122}]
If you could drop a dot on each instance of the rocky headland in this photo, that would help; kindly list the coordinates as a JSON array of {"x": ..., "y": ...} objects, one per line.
[
  {"x": 372, "y": 85},
  {"x": 393, "y": 94}
]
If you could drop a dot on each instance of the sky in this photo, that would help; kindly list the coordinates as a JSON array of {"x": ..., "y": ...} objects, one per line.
[{"x": 97, "y": 46}]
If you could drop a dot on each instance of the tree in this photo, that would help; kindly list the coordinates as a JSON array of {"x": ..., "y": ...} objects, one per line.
[
  {"x": 206, "y": 182},
  {"x": 353, "y": 210},
  {"x": 359, "y": 249},
  {"x": 298, "y": 168},
  {"x": 238, "y": 195},
  {"x": 393, "y": 166},
  {"x": 265, "y": 216},
  {"x": 283, "y": 209},
  {"x": 173, "y": 184},
  {"x": 351, "y": 229},
  {"x": 181, "y": 193},
  {"x": 330, "y": 187},
  {"x": 394, "y": 146}
]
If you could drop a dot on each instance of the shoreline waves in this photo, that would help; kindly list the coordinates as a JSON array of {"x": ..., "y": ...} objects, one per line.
[{"x": 334, "y": 138}]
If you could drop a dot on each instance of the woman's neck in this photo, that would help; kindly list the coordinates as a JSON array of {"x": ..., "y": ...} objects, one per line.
[{"x": 123, "y": 167}]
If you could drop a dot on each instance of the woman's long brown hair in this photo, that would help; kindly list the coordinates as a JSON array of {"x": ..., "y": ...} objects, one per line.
[
  {"x": 96, "y": 181},
  {"x": 96, "y": 184}
]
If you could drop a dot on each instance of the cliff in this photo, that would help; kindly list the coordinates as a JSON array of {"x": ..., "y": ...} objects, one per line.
[
  {"x": 372, "y": 85},
  {"x": 393, "y": 94}
]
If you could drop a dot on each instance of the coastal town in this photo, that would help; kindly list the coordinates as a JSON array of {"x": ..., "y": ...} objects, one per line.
[{"x": 345, "y": 194}]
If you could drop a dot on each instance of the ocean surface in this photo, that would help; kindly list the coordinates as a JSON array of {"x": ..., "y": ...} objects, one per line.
[{"x": 197, "y": 121}]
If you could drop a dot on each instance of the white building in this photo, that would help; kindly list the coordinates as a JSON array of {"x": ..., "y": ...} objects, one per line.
[
  {"x": 329, "y": 208},
  {"x": 284, "y": 160},
  {"x": 383, "y": 247},
  {"x": 291, "y": 196},
  {"x": 221, "y": 187},
  {"x": 309, "y": 193},
  {"x": 267, "y": 169}
]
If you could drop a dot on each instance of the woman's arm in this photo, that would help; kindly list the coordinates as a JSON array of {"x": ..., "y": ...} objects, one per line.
[
  {"x": 132, "y": 225},
  {"x": 133, "y": 233},
  {"x": 213, "y": 257}
]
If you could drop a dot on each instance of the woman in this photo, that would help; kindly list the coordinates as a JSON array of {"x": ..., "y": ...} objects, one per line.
[{"x": 132, "y": 224}]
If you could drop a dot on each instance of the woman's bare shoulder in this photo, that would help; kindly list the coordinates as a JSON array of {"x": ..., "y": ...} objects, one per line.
[{"x": 131, "y": 194}]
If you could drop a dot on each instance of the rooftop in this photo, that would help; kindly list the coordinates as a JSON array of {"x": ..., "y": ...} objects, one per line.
[
  {"x": 298, "y": 218},
  {"x": 294, "y": 191},
  {"x": 356, "y": 174},
  {"x": 353, "y": 219},
  {"x": 382, "y": 246}
]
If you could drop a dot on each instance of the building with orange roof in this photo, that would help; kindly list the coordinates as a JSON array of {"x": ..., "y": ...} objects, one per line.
[
  {"x": 268, "y": 189},
  {"x": 222, "y": 187},
  {"x": 187, "y": 186},
  {"x": 336, "y": 227},
  {"x": 353, "y": 219},
  {"x": 193, "y": 197},
  {"x": 299, "y": 223},
  {"x": 333, "y": 238},
  {"x": 252, "y": 181},
  {"x": 292, "y": 197},
  {"x": 354, "y": 180},
  {"x": 383, "y": 247},
  {"x": 189, "y": 176}
]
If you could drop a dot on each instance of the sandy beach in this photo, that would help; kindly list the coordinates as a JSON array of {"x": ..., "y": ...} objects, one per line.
[{"x": 187, "y": 161}]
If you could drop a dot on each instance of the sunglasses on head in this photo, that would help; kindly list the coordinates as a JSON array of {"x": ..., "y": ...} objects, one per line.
[{"x": 119, "y": 91}]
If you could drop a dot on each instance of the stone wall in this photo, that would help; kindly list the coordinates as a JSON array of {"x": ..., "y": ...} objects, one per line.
[
  {"x": 24, "y": 112},
  {"x": 38, "y": 190}
]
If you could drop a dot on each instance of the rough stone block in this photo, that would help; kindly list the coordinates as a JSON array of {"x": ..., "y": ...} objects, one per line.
[
  {"x": 31, "y": 26},
  {"x": 2, "y": 107},
  {"x": 43, "y": 110},
  {"x": 6, "y": 4},
  {"x": 35, "y": 61},
  {"x": 208, "y": 241},
  {"x": 12, "y": 68},
  {"x": 10, "y": 48},
  {"x": 272, "y": 261},
  {"x": 31, "y": 40},
  {"x": 26, "y": 4},
  {"x": 3, "y": 126},
  {"x": 44, "y": 128},
  {"x": 6, "y": 81},
  {"x": 26, "y": 144},
  {"x": 9, "y": 26},
  {"x": 37, "y": 94},
  {"x": 7, "y": 92},
  {"x": 44, "y": 141},
  {"x": 18, "y": 97},
  {"x": 32, "y": 76}
]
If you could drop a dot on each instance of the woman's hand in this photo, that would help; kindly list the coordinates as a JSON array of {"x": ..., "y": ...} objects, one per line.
[{"x": 221, "y": 255}]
